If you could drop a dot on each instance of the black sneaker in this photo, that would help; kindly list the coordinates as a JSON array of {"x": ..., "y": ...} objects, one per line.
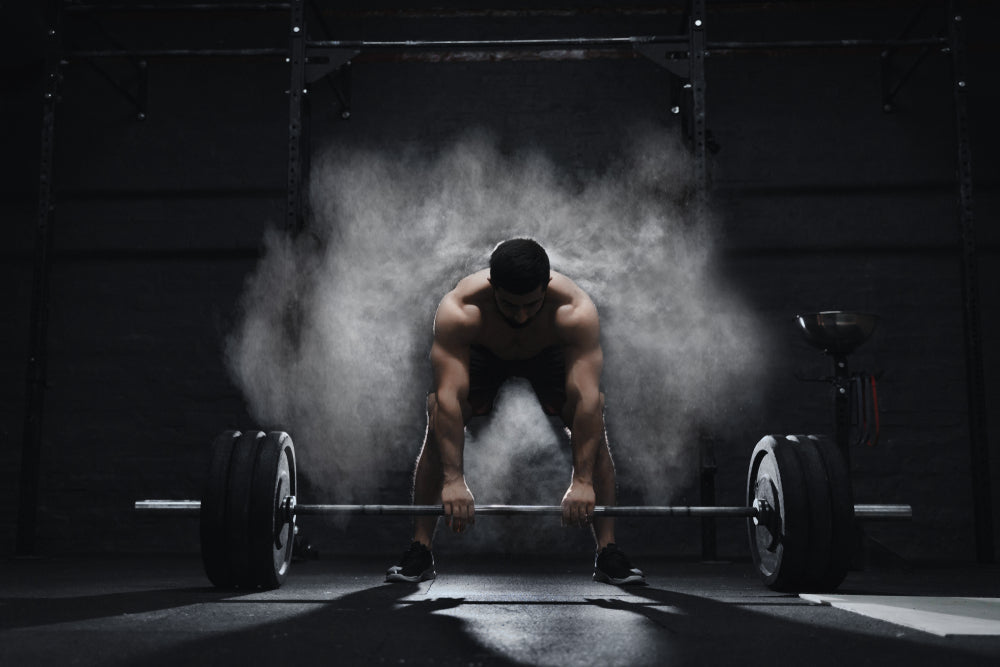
[
  {"x": 417, "y": 564},
  {"x": 612, "y": 566}
]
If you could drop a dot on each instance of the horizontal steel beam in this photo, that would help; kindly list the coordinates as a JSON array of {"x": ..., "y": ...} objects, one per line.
[
  {"x": 826, "y": 44},
  {"x": 866, "y": 512},
  {"x": 176, "y": 53},
  {"x": 495, "y": 55},
  {"x": 548, "y": 43},
  {"x": 175, "y": 7}
]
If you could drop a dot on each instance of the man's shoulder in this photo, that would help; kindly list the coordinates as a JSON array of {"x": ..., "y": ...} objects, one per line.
[
  {"x": 575, "y": 314},
  {"x": 468, "y": 295},
  {"x": 569, "y": 296},
  {"x": 459, "y": 315},
  {"x": 472, "y": 286}
]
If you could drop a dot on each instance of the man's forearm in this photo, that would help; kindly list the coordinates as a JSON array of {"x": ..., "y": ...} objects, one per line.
[
  {"x": 456, "y": 498},
  {"x": 586, "y": 434},
  {"x": 450, "y": 434}
]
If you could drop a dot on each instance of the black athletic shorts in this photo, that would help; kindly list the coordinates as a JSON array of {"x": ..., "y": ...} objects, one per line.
[{"x": 546, "y": 372}]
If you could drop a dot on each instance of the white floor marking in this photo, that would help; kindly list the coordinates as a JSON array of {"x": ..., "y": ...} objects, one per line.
[{"x": 941, "y": 616}]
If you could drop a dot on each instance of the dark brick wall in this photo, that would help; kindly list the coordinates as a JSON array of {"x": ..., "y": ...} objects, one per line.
[{"x": 824, "y": 201}]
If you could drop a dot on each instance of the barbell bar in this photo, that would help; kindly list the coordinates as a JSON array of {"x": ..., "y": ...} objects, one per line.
[
  {"x": 800, "y": 512},
  {"x": 866, "y": 512}
]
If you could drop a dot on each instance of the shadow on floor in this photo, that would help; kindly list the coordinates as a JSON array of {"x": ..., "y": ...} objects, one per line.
[
  {"x": 711, "y": 632},
  {"x": 366, "y": 627},
  {"x": 26, "y": 612},
  {"x": 383, "y": 624}
]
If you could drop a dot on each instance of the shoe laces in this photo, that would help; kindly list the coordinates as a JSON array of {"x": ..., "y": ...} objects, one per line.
[
  {"x": 413, "y": 553},
  {"x": 613, "y": 556}
]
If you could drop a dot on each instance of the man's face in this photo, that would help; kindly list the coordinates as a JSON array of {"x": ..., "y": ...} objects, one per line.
[{"x": 518, "y": 310}]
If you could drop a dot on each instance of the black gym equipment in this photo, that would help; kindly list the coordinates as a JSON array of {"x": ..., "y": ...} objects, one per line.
[
  {"x": 800, "y": 512},
  {"x": 246, "y": 531}
]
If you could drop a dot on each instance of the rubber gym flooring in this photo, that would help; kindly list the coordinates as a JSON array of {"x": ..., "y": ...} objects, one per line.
[{"x": 479, "y": 611}]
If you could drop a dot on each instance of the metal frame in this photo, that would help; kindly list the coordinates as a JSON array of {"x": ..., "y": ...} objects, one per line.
[
  {"x": 296, "y": 114},
  {"x": 683, "y": 55},
  {"x": 27, "y": 509},
  {"x": 972, "y": 324},
  {"x": 699, "y": 132}
]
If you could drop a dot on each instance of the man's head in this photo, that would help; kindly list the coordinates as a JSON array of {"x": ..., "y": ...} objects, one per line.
[
  {"x": 519, "y": 274},
  {"x": 519, "y": 266}
]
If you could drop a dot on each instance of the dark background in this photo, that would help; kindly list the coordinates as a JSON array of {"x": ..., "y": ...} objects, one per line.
[{"x": 825, "y": 202}]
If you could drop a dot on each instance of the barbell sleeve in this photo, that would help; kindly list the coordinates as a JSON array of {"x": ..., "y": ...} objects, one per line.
[{"x": 883, "y": 512}]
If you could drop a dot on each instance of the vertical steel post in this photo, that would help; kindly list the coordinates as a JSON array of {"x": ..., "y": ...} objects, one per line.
[
  {"x": 296, "y": 91},
  {"x": 696, "y": 63},
  {"x": 842, "y": 406},
  {"x": 696, "y": 58},
  {"x": 27, "y": 511},
  {"x": 975, "y": 378}
]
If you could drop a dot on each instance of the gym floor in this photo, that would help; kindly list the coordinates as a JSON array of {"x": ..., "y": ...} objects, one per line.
[{"x": 479, "y": 611}]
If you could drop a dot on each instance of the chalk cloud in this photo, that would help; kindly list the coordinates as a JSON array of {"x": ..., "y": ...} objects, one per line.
[{"x": 335, "y": 323}]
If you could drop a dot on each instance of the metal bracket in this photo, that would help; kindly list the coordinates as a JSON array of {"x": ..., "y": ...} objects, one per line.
[
  {"x": 322, "y": 62},
  {"x": 667, "y": 58},
  {"x": 890, "y": 87},
  {"x": 139, "y": 98}
]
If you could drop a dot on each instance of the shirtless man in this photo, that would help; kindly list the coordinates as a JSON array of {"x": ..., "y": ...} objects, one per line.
[{"x": 516, "y": 319}]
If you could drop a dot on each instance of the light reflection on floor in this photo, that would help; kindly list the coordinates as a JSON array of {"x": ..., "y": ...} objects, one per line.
[
  {"x": 942, "y": 616},
  {"x": 575, "y": 635},
  {"x": 550, "y": 628}
]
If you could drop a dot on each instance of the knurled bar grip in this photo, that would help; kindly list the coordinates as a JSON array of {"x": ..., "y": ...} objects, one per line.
[
  {"x": 509, "y": 510},
  {"x": 867, "y": 512}
]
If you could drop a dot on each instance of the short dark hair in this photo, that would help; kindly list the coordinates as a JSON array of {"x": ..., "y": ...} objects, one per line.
[{"x": 519, "y": 266}]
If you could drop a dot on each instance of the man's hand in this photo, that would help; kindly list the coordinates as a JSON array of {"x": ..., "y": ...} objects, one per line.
[
  {"x": 459, "y": 505},
  {"x": 578, "y": 504}
]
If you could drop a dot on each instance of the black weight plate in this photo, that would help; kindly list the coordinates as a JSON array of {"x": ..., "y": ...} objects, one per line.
[
  {"x": 214, "y": 554},
  {"x": 817, "y": 489},
  {"x": 759, "y": 536},
  {"x": 763, "y": 483},
  {"x": 778, "y": 552},
  {"x": 271, "y": 536},
  {"x": 763, "y": 538},
  {"x": 842, "y": 533},
  {"x": 238, "y": 507}
]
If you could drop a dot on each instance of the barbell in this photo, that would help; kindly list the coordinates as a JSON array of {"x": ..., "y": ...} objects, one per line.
[
  {"x": 800, "y": 511},
  {"x": 869, "y": 512}
]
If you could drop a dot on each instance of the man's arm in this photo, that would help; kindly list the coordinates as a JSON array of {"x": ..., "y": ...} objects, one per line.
[
  {"x": 450, "y": 361},
  {"x": 584, "y": 363}
]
